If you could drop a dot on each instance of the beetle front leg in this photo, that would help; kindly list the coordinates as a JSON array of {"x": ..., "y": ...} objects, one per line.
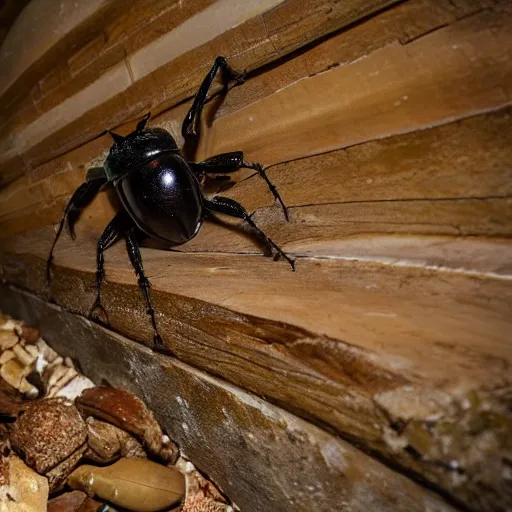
[
  {"x": 82, "y": 196},
  {"x": 132, "y": 247},
  {"x": 190, "y": 127},
  {"x": 232, "y": 208},
  {"x": 226, "y": 163}
]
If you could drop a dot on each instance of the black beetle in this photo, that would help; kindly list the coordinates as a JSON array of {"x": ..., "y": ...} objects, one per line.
[{"x": 160, "y": 191}]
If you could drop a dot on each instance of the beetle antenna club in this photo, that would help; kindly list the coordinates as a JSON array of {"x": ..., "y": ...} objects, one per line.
[{"x": 160, "y": 193}]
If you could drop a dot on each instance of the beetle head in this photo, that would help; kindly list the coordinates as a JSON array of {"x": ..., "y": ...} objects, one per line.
[{"x": 136, "y": 148}]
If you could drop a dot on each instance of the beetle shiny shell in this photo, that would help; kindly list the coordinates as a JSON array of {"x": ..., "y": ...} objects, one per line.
[{"x": 160, "y": 193}]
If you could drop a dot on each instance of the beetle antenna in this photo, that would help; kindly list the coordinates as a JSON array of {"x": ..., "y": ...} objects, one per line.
[
  {"x": 142, "y": 123},
  {"x": 117, "y": 138}
]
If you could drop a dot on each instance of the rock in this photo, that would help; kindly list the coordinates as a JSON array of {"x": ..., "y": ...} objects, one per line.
[
  {"x": 29, "y": 334},
  {"x": 27, "y": 491},
  {"x": 262, "y": 457},
  {"x": 126, "y": 411},
  {"x": 199, "y": 504},
  {"x": 4, "y": 457},
  {"x": 91, "y": 505},
  {"x": 7, "y": 340},
  {"x": 107, "y": 442},
  {"x": 24, "y": 356},
  {"x": 49, "y": 432},
  {"x": 202, "y": 495},
  {"x": 10, "y": 407},
  {"x": 61, "y": 377},
  {"x": 58, "y": 475},
  {"x": 14, "y": 373},
  {"x": 67, "y": 502},
  {"x": 104, "y": 446},
  {"x": 46, "y": 351},
  {"x": 75, "y": 387},
  {"x": 135, "y": 484},
  {"x": 7, "y": 355}
]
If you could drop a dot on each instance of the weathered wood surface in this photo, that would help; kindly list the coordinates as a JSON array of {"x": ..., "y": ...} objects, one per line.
[
  {"x": 328, "y": 342},
  {"x": 129, "y": 79},
  {"x": 379, "y": 95},
  {"x": 262, "y": 457},
  {"x": 437, "y": 197},
  {"x": 9, "y": 11},
  {"x": 396, "y": 164}
]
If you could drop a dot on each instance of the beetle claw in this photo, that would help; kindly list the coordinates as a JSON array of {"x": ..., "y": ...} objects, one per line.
[{"x": 97, "y": 312}]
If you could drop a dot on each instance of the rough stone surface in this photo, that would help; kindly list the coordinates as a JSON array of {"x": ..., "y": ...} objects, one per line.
[
  {"x": 68, "y": 502},
  {"x": 48, "y": 433},
  {"x": 27, "y": 491},
  {"x": 261, "y": 456},
  {"x": 124, "y": 410}
]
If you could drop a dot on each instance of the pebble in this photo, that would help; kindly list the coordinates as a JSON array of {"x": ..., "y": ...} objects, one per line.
[
  {"x": 134, "y": 484},
  {"x": 50, "y": 443},
  {"x": 27, "y": 491}
]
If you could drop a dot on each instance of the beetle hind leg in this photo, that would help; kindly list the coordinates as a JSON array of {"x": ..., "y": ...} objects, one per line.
[
  {"x": 232, "y": 208},
  {"x": 132, "y": 247},
  {"x": 231, "y": 162}
]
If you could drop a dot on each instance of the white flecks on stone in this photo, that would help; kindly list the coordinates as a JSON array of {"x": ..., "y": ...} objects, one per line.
[
  {"x": 333, "y": 455},
  {"x": 75, "y": 387},
  {"x": 8, "y": 326}
]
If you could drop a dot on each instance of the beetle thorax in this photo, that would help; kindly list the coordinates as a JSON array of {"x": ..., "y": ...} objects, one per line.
[{"x": 135, "y": 149}]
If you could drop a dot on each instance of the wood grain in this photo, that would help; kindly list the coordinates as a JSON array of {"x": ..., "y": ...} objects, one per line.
[
  {"x": 328, "y": 342},
  {"x": 419, "y": 198},
  {"x": 401, "y": 23},
  {"x": 174, "y": 81},
  {"x": 275, "y": 461},
  {"x": 46, "y": 33},
  {"x": 390, "y": 142},
  {"x": 458, "y": 71},
  {"x": 9, "y": 11}
]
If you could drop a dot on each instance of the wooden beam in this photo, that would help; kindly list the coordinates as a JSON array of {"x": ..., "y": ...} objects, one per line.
[
  {"x": 275, "y": 460},
  {"x": 136, "y": 89},
  {"x": 458, "y": 71},
  {"x": 313, "y": 341},
  {"x": 436, "y": 197},
  {"x": 401, "y": 24}
]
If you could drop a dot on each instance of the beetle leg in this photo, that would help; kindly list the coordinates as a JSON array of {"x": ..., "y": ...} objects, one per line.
[
  {"x": 109, "y": 236},
  {"x": 190, "y": 127},
  {"x": 82, "y": 196},
  {"x": 135, "y": 257},
  {"x": 232, "y": 208},
  {"x": 231, "y": 162}
]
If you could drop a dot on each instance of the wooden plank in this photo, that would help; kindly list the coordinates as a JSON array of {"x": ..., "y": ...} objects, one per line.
[
  {"x": 339, "y": 295},
  {"x": 412, "y": 198},
  {"x": 362, "y": 37},
  {"x": 40, "y": 26},
  {"x": 341, "y": 343},
  {"x": 248, "y": 43},
  {"x": 9, "y": 11},
  {"x": 467, "y": 159},
  {"x": 46, "y": 33},
  {"x": 275, "y": 461},
  {"x": 401, "y": 23},
  {"x": 140, "y": 23},
  {"x": 460, "y": 70}
]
